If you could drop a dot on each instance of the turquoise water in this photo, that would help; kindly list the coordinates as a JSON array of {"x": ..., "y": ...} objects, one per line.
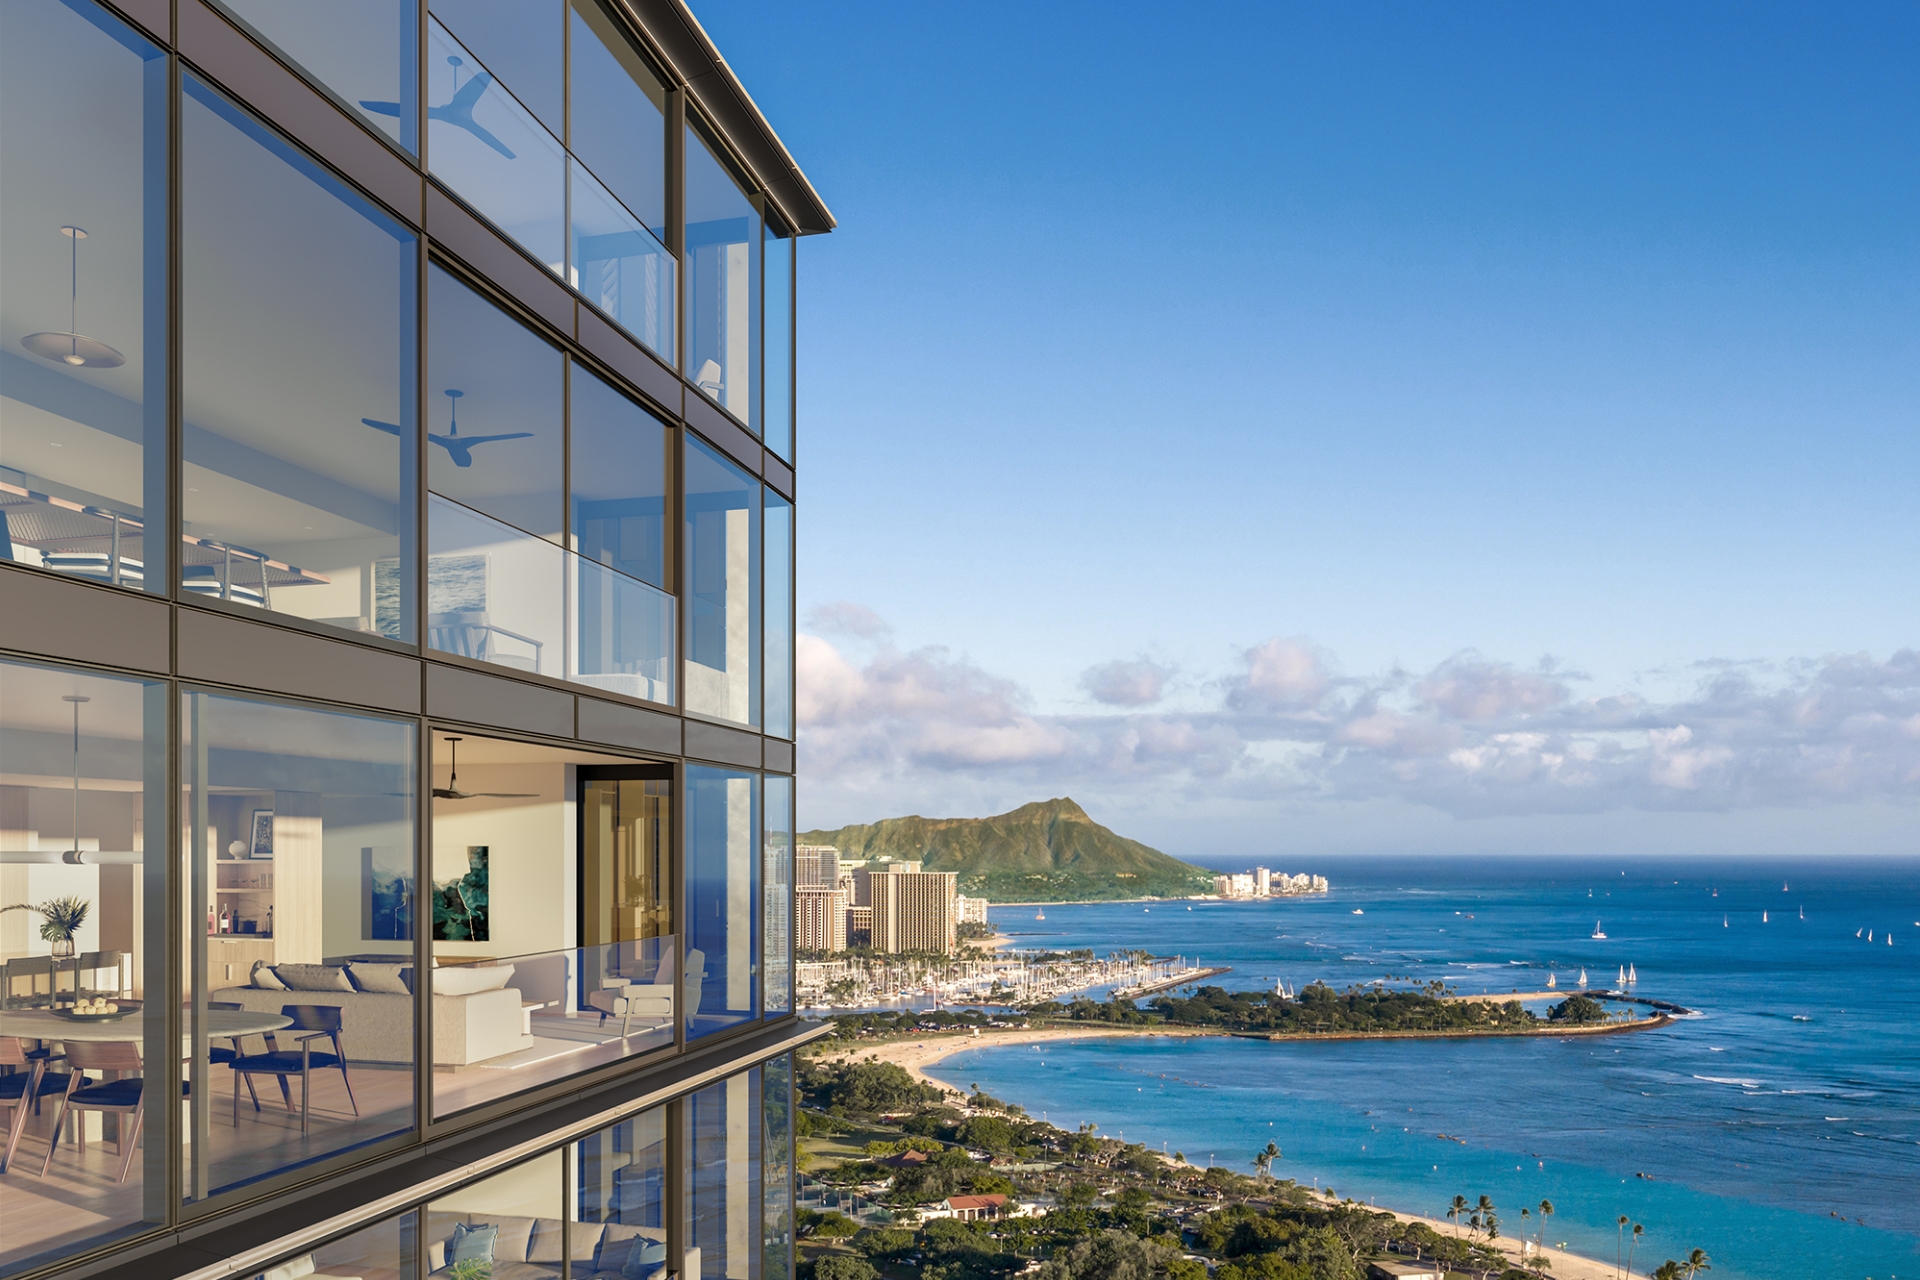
[{"x": 1794, "y": 1096}]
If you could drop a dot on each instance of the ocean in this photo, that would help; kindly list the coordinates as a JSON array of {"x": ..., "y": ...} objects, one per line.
[{"x": 1779, "y": 1129}]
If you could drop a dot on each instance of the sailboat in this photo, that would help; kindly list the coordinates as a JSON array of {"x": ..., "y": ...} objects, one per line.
[
  {"x": 1583, "y": 979},
  {"x": 1869, "y": 935},
  {"x": 1621, "y": 981},
  {"x": 1597, "y": 934},
  {"x": 1783, "y": 886},
  {"x": 1551, "y": 984},
  {"x": 1725, "y": 922},
  {"x": 1763, "y": 917},
  {"x": 1632, "y": 977},
  {"x": 1803, "y": 913},
  {"x": 1041, "y": 914},
  {"x": 1856, "y": 933}
]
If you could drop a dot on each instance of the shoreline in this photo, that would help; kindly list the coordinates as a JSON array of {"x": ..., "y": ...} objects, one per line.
[{"x": 916, "y": 1054}]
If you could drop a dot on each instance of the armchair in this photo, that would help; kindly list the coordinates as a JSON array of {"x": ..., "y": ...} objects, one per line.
[{"x": 626, "y": 999}]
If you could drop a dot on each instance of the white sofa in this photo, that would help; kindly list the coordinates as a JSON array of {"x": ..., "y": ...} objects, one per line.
[{"x": 375, "y": 1027}]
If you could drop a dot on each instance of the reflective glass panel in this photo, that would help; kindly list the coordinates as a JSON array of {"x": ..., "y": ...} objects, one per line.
[
  {"x": 619, "y": 266},
  {"x": 723, "y": 882},
  {"x": 722, "y": 589},
  {"x": 83, "y": 294},
  {"x": 510, "y": 1223},
  {"x": 496, "y": 410},
  {"x": 777, "y": 416},
  {"x": 619, "y": 1199},
  {"x": 297, "y": 355},
  {"x": 619, "y": 481},
  {"x": 297, "y": 925},
  {"x": 383, "y": 1251},
  {"x": 85, "y": 763},
  {"x": 367, "y": 52},
  {"x": 779, "y": 615},
  {"x": 723, "y": 282},
  {"x": 776, "y": 1161},
  {"x": 777, "y": 911},
  {"x": 494, "y": 594},
  {"x": 619, "y": 115},
  {"x": 522, "y": 42},
  {"x": 488, "y": 147},
  {"x": 723, "y": 1136},
  {"x": 622, "y": 632}
]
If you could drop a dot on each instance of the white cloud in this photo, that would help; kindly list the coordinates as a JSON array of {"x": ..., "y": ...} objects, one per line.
[
  {"x": 1138, "y": 683},
  {"x": 1472, "y": 738}
]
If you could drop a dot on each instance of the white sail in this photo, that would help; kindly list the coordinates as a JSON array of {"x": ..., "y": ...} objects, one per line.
[
  {"x": 1632, "y": 977},
  {"x": 1622, "y": 979},
  {"x": 1763, "y": 917},
  {"x": 1550, "y": 982},
  {"x": 1583, "y": 979}
]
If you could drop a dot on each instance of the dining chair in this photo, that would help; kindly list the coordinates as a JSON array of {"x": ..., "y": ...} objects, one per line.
[
  {"x": 27, "y": 969},
  {"x": 91, "y": 963},
  {"x": 27, "y": 1079},
  {"x": 125, "y": 1096},
  {"x": 315, "y": 1022}
]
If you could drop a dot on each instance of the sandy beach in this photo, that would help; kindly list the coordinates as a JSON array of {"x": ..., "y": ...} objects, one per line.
[{"x": 919, "y": 1053}]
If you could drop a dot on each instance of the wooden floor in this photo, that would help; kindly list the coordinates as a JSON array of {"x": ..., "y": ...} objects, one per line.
[{"x": 78, "y": 1204}]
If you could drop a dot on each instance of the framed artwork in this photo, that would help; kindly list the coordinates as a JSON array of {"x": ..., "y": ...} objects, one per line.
[{"x": 261, "y": 845}]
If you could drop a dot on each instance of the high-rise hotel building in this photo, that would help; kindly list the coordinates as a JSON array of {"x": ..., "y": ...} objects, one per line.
[{"x": 396, "y": 642}]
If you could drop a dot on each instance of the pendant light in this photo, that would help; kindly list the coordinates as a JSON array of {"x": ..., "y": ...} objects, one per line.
[
  {"x": 72, "y": 856},
  {"x": 73, "y": 347}
]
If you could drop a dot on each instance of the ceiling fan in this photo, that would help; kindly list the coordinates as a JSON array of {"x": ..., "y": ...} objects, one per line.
[
  {"x": 458, "y": 447},
  {"x": 458, "y": 110},
  {"x": 452, "y": 790}
]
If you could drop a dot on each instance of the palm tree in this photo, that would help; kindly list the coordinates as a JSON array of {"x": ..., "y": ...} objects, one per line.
[
  {"x": 1696, "y": 1263},
  {"x": 1263, "y": 1161},
  {"x": 1619, "y": 1243},
  {"x": 1638, "y": 1231},
  {"x": 1484, "y": 1209},
  {"x": 1546, "y": 1211},
  {"x": 1668, "y": 1270},
  {"x": 1455, "y": 1210}
]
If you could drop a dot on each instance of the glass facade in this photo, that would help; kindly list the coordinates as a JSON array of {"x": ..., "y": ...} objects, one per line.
[
  {"x": 777, "y": 416},
  {"x": 296, "y": 935},
  {"x": 723, "y": 281},
  {"x": 722, "y": 963},
  {"x": 83, "y": 239},
  {"x": 297, "y": 322},
  {"x": 391, "y": 837},
  {"x": 365, "y": 53},
  {"x": 83, "y": 791},
  {"x": 721, "y": 533}
]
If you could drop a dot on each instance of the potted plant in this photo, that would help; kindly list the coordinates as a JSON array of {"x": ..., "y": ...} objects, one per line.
[{"x": 60, "y": 919}]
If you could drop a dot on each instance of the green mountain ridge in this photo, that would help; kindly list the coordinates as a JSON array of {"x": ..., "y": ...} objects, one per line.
[{"x": 1047, "y": 851}]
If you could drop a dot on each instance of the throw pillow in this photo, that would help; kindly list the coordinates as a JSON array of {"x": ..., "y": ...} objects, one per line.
[
  {"x": 471, "y": 1243},
  {"x": 470, "y": 979},
  {"x": 291, "y": 1270},
  {"x": 384, "y": 979},
  {"x": 265, "y": 978},
  {"x": 647, "y": 1259},
  {"x": 313, "y": 977}
]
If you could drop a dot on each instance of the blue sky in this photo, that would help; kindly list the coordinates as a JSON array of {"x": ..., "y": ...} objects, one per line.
[{"x": 1355, "y": 427}]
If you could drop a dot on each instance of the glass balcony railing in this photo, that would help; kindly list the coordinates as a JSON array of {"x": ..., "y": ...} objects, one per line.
[
  {"x": 553, "y": 1015},
  {"x": 499, "y": 595}
]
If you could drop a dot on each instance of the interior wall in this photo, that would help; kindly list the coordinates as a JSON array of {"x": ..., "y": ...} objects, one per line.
[{"x": 531, "y": 856}]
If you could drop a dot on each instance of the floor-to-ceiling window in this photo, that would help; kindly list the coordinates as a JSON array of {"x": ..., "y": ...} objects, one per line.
[
  {"x": 364, "y": 52},
  {"x": 776, "y": 874},
  {"x": 723, "y": 1128},
  {"x": 723, "y": 885},
  {"x": 298, "y": 915},
  {"x": 83, "y": 295},
  {"x": 83, "y": 763},
  {"x": 723, "y": 280},
  {"x": 298, "y": 352},
  {"x": 721, "y": 534}
]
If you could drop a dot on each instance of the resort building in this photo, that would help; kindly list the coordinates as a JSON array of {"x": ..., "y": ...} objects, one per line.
[
  {"x": 816, "y": 866},
  {"x": 969, "y": 910},
  {"x": 912, "y": 911},
  {"x": 859, "y": 926},
  {"x": 819, "y": 919},
  {"x": 396, "y": 642}
]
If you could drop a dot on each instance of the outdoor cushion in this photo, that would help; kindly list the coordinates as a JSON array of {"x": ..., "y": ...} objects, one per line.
[
  {"x": 382, "y": 979},
  {"x": 313, "y": 977},
  {"x": 114, "y": 1093},
  {"x": 646, "y": 1260},
  {"x": 265, "y": 978},
  {"x": 471, "y": 1244},
  {"x": 291, "y": 1270}
]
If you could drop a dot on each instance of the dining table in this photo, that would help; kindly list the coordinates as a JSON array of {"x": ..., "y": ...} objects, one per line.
[{"x": 42, "y": 1024}]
